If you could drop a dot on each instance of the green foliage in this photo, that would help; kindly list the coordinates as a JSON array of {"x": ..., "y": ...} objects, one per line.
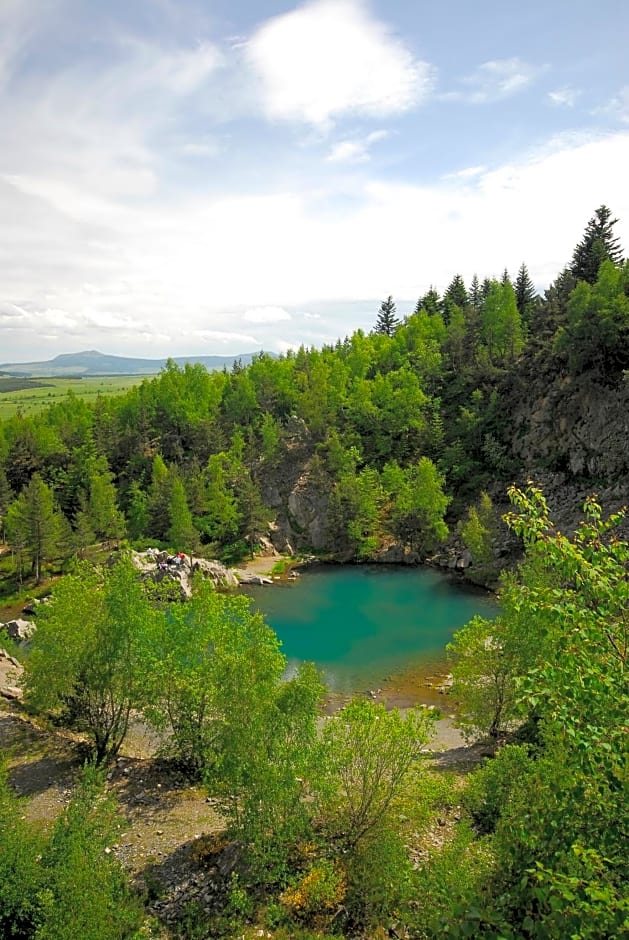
[
  {"x": 596, "y": 334},
  {"x": 86, "y": 893},
  {"x": 363, "y": 762},
  {"x": 88, "y": 655},
  {"x": 501, "y": 324},
  {"x": 387, "y": 320},
  {"x": 181, "y": 532},
  {"x": 417, "y": 505},
  {"x": 379, "y": 877},
  {"x": 354, "y": 512},
  {"x": 489, "y": 789},
  {"x": 450, "y": 888},
  {"x": 525, "y": 295},
  {"x": 559, "y": 813},
  {"x": 598, "y": 244},
  {"x": 216, "y": 683},
  {"x": 478, "y": 532},
  {"x": 20, "y": 873},
  {"x": 34, "y": 526},
  {"x": 488, "y": 657},
  {"x": 66, "y": 884},
  {"x": 137, "y": 511},
  {"x": 106, "y": 520}
]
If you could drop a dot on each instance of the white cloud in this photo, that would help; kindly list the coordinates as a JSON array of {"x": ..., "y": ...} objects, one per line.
[
  {"x": 11, "y": 313},
  {"x": 330, "y": 58},
  {"x": 348, "y": 151},
  {"x": 283, "y": 347},
  {"x": 467, "y": 173},
  {"x": 355, "y": 151},
  {"x": 496, "y": 79},
  {"x": 111, "y": 239},
  {"x": 222, "y": 336},
  {"x": 564, "y": 97},
  {"x": 266, "y": 315},
  {"x": 187, "y": 270},
  {"x": 618, "y": 107}
]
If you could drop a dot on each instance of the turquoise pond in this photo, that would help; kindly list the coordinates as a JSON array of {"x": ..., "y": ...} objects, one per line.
[{"x": 364, "y": 624}]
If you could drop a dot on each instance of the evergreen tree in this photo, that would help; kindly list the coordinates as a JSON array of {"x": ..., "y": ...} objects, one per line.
[
  {"x": 597, "y": 245},
  {"x": 524, "y": 293},
  {"x": 5, "y": 500},
  {"x": 181, "y": 531},
  {"x": 456, "y": 292},
  {"x": 159, "y": 496},
  {"x": 475, "y": 297},
  {"x": 485, "y": 288},
  {"x": 106, "y": 520},
  {"x": 222, "y": 517},
  {"x": 596, "y": 334},
  {"x": 455, "y": 342},
  {"x": 34, "y": 525},
  {"x": 430, "y": 302},
  {"x": 387, "y": 321},
  {"x": 137, "y": 511},
  {"x": 84, "y": 534}
]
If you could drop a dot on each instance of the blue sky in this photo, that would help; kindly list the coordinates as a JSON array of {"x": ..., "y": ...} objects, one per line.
[{"x": 204, "y": 176}]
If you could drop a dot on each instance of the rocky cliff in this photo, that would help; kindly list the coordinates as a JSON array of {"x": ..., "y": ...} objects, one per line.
[{"x": 570, "y": 435}]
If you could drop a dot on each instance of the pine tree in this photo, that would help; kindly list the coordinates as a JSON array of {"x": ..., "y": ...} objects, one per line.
[
  {"x": 181, "y": 531},
  {"x": 455, "y": 296},
  {"x": 137, "y": 511},
  {"x": 485, "y": 289},
  {"x": 34, "y": 525},
  {"x": 524, "y": 293},
  {"x": 475, "y": 296},
  {"x": 106, "y": 520},
  {"x": 159, "y": 495},
  {"x": 387, "y": 321},
  {"x": 5, "y": 500},
  {"x": 430, "y": 302},
  {"x": 597, "y": 245}
]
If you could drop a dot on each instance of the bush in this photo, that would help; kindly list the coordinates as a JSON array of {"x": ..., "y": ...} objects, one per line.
[
  {"x": 489, "y": 788},
  {"x": 65, "y": 886},
  {"x": 20, "y": 872}
]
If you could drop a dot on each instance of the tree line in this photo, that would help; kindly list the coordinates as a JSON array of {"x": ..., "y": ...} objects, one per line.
[{"x": 415, "y": 405}]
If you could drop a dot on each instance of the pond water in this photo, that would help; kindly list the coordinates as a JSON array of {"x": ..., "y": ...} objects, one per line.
[{"x": 366, "y": 624}]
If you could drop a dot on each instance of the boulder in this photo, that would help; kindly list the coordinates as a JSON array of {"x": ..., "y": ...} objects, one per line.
[
  {"x": 250, "y": 577},
  {"x": 218, "y": 573},
  {"x": 20, "y": 630},
  {"x": 464, "y": 560}
]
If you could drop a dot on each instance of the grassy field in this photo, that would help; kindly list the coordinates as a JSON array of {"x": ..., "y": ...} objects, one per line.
[{"x": 45, "y": 392}]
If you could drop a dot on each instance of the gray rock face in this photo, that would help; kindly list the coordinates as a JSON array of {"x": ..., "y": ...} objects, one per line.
[
  {"x": 299, "y": 496},
  {"x": 576, "y": 424}
]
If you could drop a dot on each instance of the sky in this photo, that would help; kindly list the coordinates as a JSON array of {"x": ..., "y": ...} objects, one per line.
[{"x": 205, "y": 177}]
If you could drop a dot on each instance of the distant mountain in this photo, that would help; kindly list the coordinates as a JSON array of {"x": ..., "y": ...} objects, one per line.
[{"x": 92, "y": 362}]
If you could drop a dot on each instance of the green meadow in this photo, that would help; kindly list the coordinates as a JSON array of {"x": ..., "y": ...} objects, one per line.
[{"x": 32, "y": 395}]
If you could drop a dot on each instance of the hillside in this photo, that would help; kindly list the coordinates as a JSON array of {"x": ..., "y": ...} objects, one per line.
[{"x": 90, "y": 362}]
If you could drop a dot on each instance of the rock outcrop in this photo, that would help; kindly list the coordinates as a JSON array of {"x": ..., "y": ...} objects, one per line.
[
  {"x": 575, "y": 425},
  {"x": 19, "y": 630},
  {"x": 180, "y": 570}
]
